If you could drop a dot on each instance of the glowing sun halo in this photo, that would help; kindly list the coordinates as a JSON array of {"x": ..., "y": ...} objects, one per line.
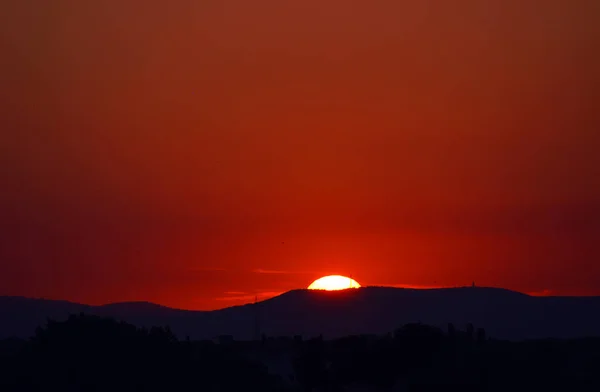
[{"x": 334, "y": 282}]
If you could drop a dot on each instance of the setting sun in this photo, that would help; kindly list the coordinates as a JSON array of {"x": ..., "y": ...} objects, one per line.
[{"x": 334, "y": 282}]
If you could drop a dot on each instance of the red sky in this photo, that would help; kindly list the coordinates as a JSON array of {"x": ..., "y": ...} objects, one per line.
[{"x": 196, "y": 153}]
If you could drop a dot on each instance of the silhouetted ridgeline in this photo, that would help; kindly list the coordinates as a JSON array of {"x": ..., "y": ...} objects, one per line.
[
  {"x": 372, "y": 310},
  {"x": 90, "y": 353}
]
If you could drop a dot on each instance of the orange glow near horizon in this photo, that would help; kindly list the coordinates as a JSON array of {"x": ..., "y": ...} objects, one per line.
[
  {"x": 205, "y": 153},
  {"x": 334, "y": 282}
]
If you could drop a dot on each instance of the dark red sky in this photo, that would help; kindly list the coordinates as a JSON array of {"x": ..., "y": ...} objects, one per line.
[{"x": 164, "y": 152}]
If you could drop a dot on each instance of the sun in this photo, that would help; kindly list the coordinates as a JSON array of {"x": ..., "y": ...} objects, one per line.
[{"x": 334, "y": 282}]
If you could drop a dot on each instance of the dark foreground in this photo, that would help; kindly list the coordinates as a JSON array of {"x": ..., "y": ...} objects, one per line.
[{"x": 87, "y": 353}]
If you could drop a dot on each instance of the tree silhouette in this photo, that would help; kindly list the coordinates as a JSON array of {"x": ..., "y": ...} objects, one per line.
[
  {"x": 470, "y": 332},
  {"x": 480, "y": 335},
  {"x": 89, "y": 353},
  {"x": 93, "y": 353}
]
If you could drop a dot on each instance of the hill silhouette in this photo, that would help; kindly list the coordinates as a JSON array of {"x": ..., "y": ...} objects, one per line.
[{"x": 370, "y": 310}]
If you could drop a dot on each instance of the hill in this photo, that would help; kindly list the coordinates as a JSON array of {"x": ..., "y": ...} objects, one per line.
[{"x": 371, "y": 310}]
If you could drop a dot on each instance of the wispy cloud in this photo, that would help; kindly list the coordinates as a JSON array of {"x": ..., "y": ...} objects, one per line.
[
  {"x": 255, "y": 271},
  {"x": 541, "y": 293},
  {"x": 266, "y": 271},
  {"x": 241, "y": 297}
]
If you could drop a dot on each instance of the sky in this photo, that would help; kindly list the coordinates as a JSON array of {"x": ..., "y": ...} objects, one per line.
[{"x": 197, "y": 154}]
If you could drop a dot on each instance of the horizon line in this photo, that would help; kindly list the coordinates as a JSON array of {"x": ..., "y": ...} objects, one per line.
[{"x": 543, "y": 293}]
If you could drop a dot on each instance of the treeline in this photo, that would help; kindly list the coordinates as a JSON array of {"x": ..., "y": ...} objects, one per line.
[
  {"x": 87, "y": 353},
  {"x": 422, "y": 358}
]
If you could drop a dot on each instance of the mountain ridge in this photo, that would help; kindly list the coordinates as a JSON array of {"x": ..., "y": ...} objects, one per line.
[{"x": 505, "y": 314}]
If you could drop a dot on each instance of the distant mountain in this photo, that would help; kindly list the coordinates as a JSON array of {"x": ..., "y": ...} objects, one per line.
[{"x": 504, "y": 314}]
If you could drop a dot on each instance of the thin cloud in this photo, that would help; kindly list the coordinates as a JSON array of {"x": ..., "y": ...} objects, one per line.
[
  {"x": 542, "y": 293},
  {"x": 249, "y": 297},
  {"x": 265, "y": 271},
  {"x": 256, "y": 271}
]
